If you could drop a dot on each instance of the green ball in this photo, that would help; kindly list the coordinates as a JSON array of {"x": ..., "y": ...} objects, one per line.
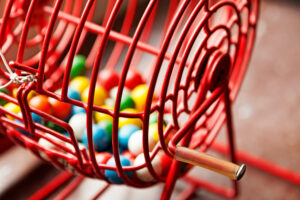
[
  {"x": 78, "y": 67},
  {"x": 2, "y": 101},
  {"x": 127, "y": 102},
  {"x": 55, "y": 127},
  {"x": 154, "y": 119},
  {"x": 107, "y": 125}
]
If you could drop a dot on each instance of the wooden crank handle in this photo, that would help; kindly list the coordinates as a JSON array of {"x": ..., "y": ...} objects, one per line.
[{"x": 207, "y": 161}]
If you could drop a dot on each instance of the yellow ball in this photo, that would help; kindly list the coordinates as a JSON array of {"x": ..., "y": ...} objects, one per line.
[
  {"x": 12, "y": 108},
  {"x": 80, "y": 83},
  {"x": 99, "y": 97},
  {"x": 102, "y": 116},
  {"x": 125, "y": 121},
  {"x": 14, "y": 92},
  {"x": 153, "y": 131},
  {"x": 139, "y": 96},
  {"x": 31, "y": 94}
]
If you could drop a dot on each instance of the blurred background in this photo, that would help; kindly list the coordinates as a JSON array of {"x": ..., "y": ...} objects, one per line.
[{"x": 266, "y": 119}]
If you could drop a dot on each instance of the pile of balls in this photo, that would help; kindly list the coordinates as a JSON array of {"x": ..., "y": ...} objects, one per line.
[{"x": 130, "y": 129}]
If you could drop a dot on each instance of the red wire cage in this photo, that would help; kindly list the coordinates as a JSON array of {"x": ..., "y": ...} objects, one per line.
[{"x": 196, "y": 55}]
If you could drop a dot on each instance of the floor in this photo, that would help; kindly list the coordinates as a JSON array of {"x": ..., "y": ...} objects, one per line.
[{"x": 266, "y": 116}]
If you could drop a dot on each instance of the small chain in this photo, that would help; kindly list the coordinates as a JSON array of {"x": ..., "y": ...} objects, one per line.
[{"x": 15, "y": 78}]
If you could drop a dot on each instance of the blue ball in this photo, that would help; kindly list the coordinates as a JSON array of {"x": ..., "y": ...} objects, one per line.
[
  {"x": 112, "y": 175},
  {"x": 100, "y": 138},
  {"x": 124, "y": 134},
  {"x": 36, "y": 118},
  {"x": 120, "y": 150},
  {"x": 77, "y": 109},
  {"x": 73, "y": 94}
]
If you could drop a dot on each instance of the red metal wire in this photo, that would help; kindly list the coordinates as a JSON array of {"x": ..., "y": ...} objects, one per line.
[{"x": 53, "y": 185}]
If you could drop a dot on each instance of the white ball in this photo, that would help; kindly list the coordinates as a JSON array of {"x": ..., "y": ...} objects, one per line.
[
  {"x": 113, "y": 92},
  {"x": 78, "y": 124},
  {"x": 48, "y": 145},
  {"x": 71, "y": 146},
  {"x": 110, "y": 102},
  {"x": 135, "y": 143},
  {"x": 143, "y": 173}
]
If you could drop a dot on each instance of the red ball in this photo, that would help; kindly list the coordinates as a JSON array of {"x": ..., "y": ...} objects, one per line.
[
  {"x": 127, "y": 154},
  {"x": 133, "y": 79},
  {"x": 60, "y": 109},
  {"x": 41, "y": 103},
  {"x": 108, "y": 79},
  {"x": 166, "y": 163},
  {"x": 103, "y": 157}
]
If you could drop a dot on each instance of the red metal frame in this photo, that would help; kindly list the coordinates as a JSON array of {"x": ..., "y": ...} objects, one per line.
[{"x": 205, "y": 44}]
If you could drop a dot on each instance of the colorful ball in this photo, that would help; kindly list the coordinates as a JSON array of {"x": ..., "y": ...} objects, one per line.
[
  {"x": 153, "y": 131},
  {"x": 124, "y": 134},
  {"x": 110, "y": 102},
  {"x": 31, "y": 94},
  {"x": 113, "y": 92},
  {"x": 103, "y": 157},
  {"x": 166, "y": 162},
  {"x": 99, "y": 116},
  {"x": 78, "y": 66},
  {"x": 133, "y": 79},
  {"x": 12, "y": 108},
  {"x": 99, "y": 96},
  {"x": 15, "y": 92},
  {"x": 77, "y": 110},
  {"x": 108, "y": 79},
  {"x": 45, "y": 143},
  {"x": 154, "y": 119},
  {"x": 125, "y": 121},
  {"x": 112, "y": 175},
  {"x": 36, "y": 118},
  {"x": 107, "y": 125},
  {"x": 135, "y": 143},
  {"x": 127, "y": 154},
  {"x": 101, "y": 138},
  {"x": 60, "y": 109},
  {"x": 127, "y": 102},
  {"x": 139, "y": 95},
  {"x": 2, "y": 101},
  {"x": 41, "y": 102},
  {"x": 143, "y": 173},
  {"x": 80, "y": 83},
  {"x": 48, "y": 145},
  {"x": 55, "y": 127},
  {"x": 78, "y": 124},
  {"x": 73, "y": 94}
]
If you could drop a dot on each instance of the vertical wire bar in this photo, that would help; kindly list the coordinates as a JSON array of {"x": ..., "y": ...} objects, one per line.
[
  {"x": 171, "y": 180},
  {"x": 230, "y": 132}
]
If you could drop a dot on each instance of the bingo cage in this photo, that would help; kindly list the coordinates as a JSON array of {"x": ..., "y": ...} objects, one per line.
[{"x": 165, "y": 72}]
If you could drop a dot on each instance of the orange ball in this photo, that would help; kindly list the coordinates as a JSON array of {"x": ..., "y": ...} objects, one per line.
[
  {"x": 60, "y": 109},
  {"x": 41, "y": 103}
]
